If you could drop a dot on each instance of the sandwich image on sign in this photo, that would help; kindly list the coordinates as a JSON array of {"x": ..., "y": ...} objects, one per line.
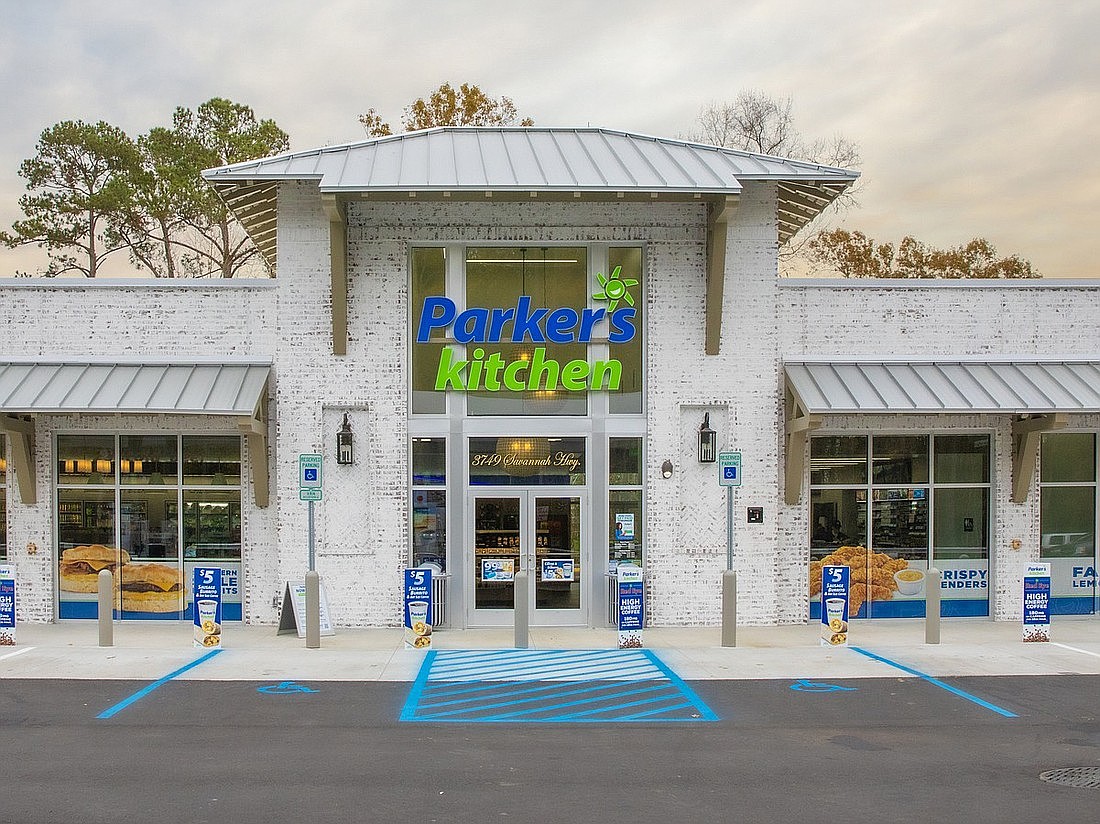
[
  {"x": 150, "y": 587},
  {"x": 81, "y": 565}
]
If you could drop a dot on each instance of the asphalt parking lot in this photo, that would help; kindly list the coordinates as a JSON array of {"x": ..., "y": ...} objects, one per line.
[{"x": 363, "y": 731}]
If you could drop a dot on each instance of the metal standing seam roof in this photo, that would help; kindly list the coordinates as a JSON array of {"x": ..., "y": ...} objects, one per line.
[
  {"x": 1017, "y": 387},
  {"x": 232, "y": 388},
  {"x": 530, "y": 159}
]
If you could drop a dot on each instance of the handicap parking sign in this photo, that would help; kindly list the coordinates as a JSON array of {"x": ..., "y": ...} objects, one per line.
[{"x": 729, "y": 468}]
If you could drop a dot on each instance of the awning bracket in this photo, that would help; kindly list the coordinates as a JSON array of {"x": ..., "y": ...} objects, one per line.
[
  {"x": 254, "y": 430},
  {"x": 1026, "y": 434},
  {"x": 720, "y": 214},
  {"x": 798, "y": 425},
  {"x": 21, "y": 432}
]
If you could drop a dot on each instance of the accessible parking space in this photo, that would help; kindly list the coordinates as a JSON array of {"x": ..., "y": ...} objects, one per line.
[{"x": 550, "y": 686}]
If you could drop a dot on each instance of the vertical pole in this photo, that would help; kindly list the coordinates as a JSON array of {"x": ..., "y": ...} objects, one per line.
[
  {"x": 313, "y": 608},
  {"x": 105, "y": 582},
  {"x": 729, "y": 581},
  {"x": 521, "y": 611},
  {"x": 729, "y": 608},
  {"x": 311, "y": 555},
  {"x": 932, "y": 606},
  {"x": 729, "y": 527}
]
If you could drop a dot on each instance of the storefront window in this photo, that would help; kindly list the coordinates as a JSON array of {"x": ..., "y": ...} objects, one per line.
[
  {"x": 552, "y": 278},
  {"x": 211, "y": 524},
  {"x": 85, "y": 459},
  {"x": 429, "y": 279},
  {"x": 149, "y": 459},
  {"x": 929, "y": 503},
  {"x": 527, "y": 461},
  {"x": 429, "y": 471},
  {"x": 625, "y": 522},
  {"x": 1067, "y": 519},
  {"x": 627, "y": 262},
  {"x": 119, "y": 500},
  {"x": 211, "y": 460}
]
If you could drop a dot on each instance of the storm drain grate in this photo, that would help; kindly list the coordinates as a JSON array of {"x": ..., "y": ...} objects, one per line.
[{"x": 1073, "y": 777}]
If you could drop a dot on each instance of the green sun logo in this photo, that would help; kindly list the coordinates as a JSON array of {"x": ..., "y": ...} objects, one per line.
[{"x": 615, "y": 289}]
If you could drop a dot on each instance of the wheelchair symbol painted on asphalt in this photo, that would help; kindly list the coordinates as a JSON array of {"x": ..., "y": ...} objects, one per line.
[
  {"x": 284, "y": 688},
  {"x": 814, "y": 686}
]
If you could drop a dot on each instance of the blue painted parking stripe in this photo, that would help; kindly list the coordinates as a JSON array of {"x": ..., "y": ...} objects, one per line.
[
  {"x": 540, "y": 708},
  {"x": 577, "y": 671},
  {"x": 599, "y": 710},
  {"x": 582, "y": 702},
  {"x": 496, "y": 686},
  {"x": 408, "y": 712},
  {"x": 463, "y": 687},
  {"x": 530, "y": 667},
  {"x": 937, "y": 682},
  {"x": 704, "y": 710},
  {"x": 121, "y": 705}
]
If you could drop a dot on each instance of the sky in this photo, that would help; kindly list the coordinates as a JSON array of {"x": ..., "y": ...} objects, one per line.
[{"x": 974, "y": 118}]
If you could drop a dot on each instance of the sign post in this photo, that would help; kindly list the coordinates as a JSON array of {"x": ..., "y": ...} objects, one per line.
[
  {"x": 729, "y": 476},
  {"x": 7, "y": 605},
  {"x": 1037, "y": 602},
  {"x": 834, "y": 605}
]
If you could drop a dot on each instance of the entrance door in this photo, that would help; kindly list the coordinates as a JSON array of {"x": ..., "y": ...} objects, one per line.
[{"x": 539, "y": 532}]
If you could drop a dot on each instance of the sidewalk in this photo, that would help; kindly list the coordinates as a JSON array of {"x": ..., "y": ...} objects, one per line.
[{"x": 148, "y": 651}]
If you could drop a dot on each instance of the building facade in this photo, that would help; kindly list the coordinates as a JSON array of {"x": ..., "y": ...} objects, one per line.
[{"x": 524, "y": 332}]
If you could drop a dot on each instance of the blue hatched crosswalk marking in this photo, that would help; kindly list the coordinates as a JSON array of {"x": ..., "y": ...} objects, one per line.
[
  {"x": 534, "y": 665},
  {"x": 550, "y": 686}
]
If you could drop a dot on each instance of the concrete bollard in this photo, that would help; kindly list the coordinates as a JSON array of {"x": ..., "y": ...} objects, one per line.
[
  {"x": 313, "y": 610},
  {"x": 729, "y": 608},
  {"x": 521, "y": 611},
  {"x": 932, "y": 605},
  {"x": 106, "y": 585}
]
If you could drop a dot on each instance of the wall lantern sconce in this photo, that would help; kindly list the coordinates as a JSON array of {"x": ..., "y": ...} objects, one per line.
[
  {"x": 708, "y": 442},
  {"x": 345, "y": 453},
  {"x": 666, "y": 470}
]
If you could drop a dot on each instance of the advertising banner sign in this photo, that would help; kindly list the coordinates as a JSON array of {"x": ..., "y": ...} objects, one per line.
[
  {"x": 1037, "y": 602},
  {"x": 418, "y": 608},
  {"x": 207, "y": 590},
  {"x": 834, "y": 605},
  {"x": 498, "y": 569},
  {"x": 631, "y": 597},
  {"x": 624, "y": 526},
  {"x": 557, "y": 569},
  {"x": 7, "y": 605}
]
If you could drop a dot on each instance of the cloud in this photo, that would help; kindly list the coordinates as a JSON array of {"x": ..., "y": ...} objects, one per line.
[{"x": 974, "y": 118}]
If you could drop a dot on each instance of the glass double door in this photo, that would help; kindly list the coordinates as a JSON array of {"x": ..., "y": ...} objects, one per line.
[{"x": 537, "y": 532}]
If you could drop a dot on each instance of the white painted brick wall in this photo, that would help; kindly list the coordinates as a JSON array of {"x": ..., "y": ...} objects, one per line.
[
  {"x": 946, "y": 320},
  {"x": 160, "y": 319},
  {"x": 362, "y": 523}
]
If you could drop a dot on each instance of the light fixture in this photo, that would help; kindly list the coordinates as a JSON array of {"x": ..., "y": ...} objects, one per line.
[
  {"x": 666, "y": 469},
  {"x": 708, "y": 441},
  {"x": 345, "y": 452}
]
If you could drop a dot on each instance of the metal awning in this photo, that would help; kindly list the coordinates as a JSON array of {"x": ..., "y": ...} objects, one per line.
[
  {"x": 967, "y": 386},
  {"x": 1039, "y": 394},
  {"x": 34, "y": 387},
  {"x": 176, "y": 388}
]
